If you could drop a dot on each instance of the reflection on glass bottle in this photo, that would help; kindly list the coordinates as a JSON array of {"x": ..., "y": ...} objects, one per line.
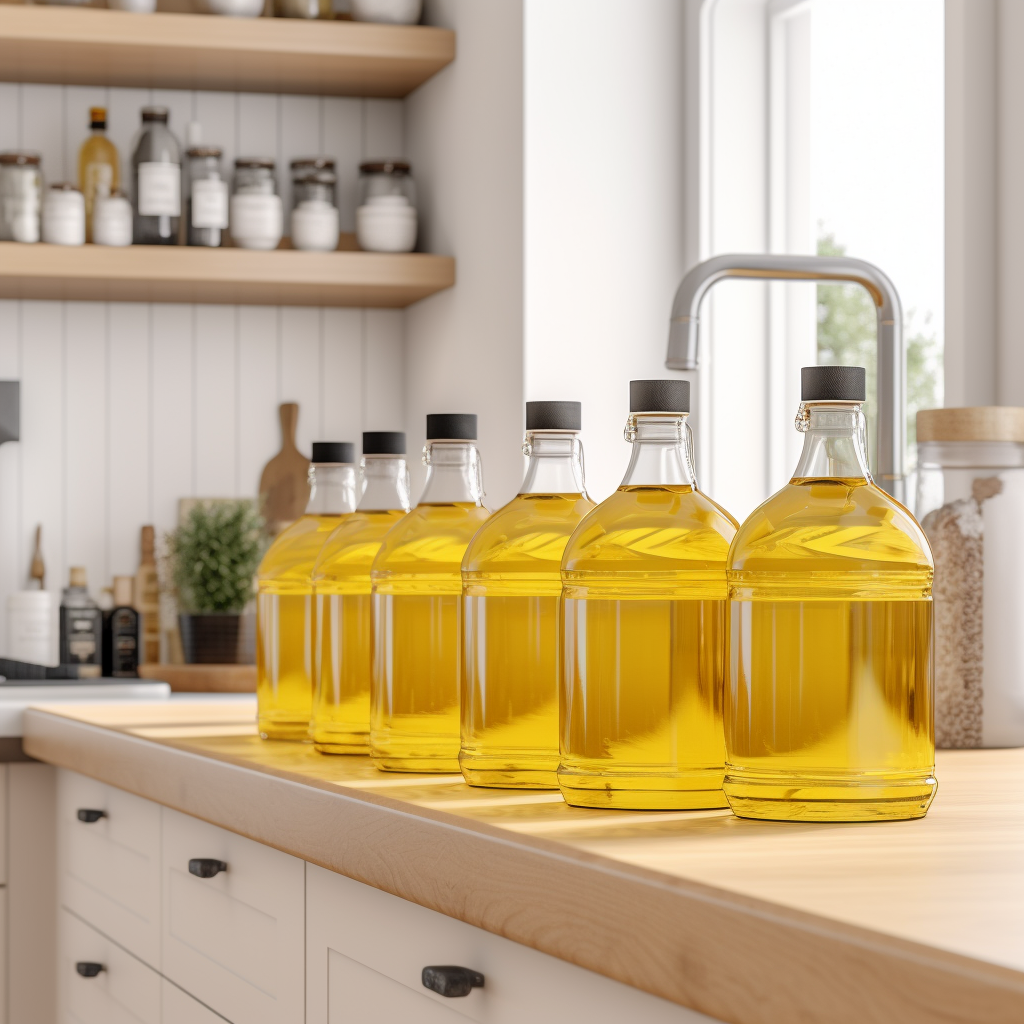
[
  {"x": 829, "y": 698},
  {"x": 341, "y": 581},
  {"x": 512, "y": 596},
  {"x": 417, "y": 597},
  {"x": 285, "y": 623},
  {"x": 644, "y": 626}
]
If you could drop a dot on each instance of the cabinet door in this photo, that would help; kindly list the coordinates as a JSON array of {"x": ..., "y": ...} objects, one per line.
[
  {"x": 234, "y": 940},
  {"x": 366, "y": 950},
  {"x": 125, "y": 991},
  {"x": 180, "y": 1008},
  {"x": 109, "y": 868}
]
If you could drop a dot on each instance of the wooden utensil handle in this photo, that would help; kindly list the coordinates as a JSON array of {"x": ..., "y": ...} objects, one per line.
[{"x": 289, "y": 422}]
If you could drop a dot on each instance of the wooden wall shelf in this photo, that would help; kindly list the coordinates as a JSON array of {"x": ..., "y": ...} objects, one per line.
[
  {"x": 89, "y": 46},
  {"x": 283, "y": 277}
]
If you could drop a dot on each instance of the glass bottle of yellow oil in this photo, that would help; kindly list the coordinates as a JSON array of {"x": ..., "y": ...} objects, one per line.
[
  {"x": 285, "y": 623},
  {"x": 512, "y": 594},
  {"x": 644, "y": 609},
  {"x": 341, "y": 585},
  {"x": 417, "y": 607},
  {"x": 99, "y": 170},
  {"x": 829, "y": 698}
]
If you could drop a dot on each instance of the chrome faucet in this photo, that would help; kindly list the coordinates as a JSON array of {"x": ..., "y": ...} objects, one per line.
[{"x": 684, "y": 333}]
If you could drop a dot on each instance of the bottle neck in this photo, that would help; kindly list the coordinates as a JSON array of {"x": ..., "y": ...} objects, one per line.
[
  {"x": 662, "y": 450},
  {"x": 834, "y": 442},
  {"x": 454, "y": 473},
  {"x": 387, "y": 483},
  {"x": 556, "y": 463},
  {"x": 332, "y": 489}
]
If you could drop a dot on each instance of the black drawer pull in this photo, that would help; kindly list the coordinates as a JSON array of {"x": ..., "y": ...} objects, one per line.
[
  {"x": 87, "y": 969},
  {"x": 452, "y": 981},
  {"x": 206, "y": 867},
  {"x": 90, "y": 817}
]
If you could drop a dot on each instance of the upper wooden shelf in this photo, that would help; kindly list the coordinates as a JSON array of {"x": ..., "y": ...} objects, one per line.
[
  {"x": 283, "y": 277},
  {"x": 89, "y": 46}
]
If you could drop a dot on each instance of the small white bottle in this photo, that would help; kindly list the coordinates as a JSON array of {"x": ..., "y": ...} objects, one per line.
[{"x": 30, "y": 626}]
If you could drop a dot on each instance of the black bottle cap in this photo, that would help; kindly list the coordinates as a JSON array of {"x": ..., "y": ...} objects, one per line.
[
  {"x": 553, "y": 415},
  {"x": 383, "y": 442},
  {"x": 155, "y": 114},
  {"x": 451, "y": 426},
  {"x": 333, "y": 451},
  {"x": 832, "y": 384},
  {"x": 659, "y": 396}
]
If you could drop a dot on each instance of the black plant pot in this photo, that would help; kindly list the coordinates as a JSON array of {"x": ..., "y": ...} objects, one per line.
[{"x": 211, "y": 639}]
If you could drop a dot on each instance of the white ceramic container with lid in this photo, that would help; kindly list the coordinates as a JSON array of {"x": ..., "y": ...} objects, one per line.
[
  {"x": 970, "y": 501},
  {"x": 315, "y": 226},
  {"x": 112, "y": 220},
  {"x": 64, "y": 216},
  {"x": 386, "y": 224},
  {"x": 21, "y": 196},
  {"x": 394, "y": 12},
  {"x": 257, "y": 220}
]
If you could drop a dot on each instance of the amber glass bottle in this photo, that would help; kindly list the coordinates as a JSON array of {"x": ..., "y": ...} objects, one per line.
[
  {"x": 512, "y": 595},
  {"x": 644, "y": 626},
  {"x": 99, "y": 171},
  {"x": 285, "y": 624},
  {"x": 417, "y": 607},
  {"x": 829, "y": 703},
  {"x": 341, "y": 584}
]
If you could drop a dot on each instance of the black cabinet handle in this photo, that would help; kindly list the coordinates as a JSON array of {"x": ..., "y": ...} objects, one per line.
[
  {"x": 452, "y": 981},
  {"x": 206, "y": 867},
  {"x": 90, "y": 817},
  {"x": 87, "y": 969}
]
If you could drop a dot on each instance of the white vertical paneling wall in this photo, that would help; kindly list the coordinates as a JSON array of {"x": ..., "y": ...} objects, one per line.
[{"x": 127, "y": 407}]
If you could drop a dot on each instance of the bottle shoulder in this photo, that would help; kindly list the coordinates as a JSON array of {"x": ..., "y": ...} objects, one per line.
[
  {"x": 431, "y": 538},
  {"x": 528, "y": 534},
  {"x": 836, "y": 524},
  {"x": 293, "y": 554},
  {"x": 651, "y": 529},
  {"x": 352, "y": 546}
]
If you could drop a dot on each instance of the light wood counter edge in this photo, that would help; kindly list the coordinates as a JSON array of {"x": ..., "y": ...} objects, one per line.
[{"x": 733, "y": 957}]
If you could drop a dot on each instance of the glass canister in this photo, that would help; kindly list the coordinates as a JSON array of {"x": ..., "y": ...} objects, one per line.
[
  {"x": 21, "y": 196},
  {"x": 313, "y": 178},
  {"x": 970, "y": 501},
  {"x": 254, "y": 175},
  {"x": 257, "y": 219},
  {"x": 207, "y": 197},
  {"x": 156, "y": 180},
  {"x": 386, "y": 178}
]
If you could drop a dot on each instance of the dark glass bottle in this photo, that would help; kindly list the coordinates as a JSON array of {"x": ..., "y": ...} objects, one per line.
[
  {"x": 156, "y": 181},
  {"x": 81, "y": 623},
  {"x": 121, "y": 633}
]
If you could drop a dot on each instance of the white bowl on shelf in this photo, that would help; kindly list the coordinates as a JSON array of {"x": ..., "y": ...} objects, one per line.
[
  {"x": 232, "y": 8},
  {"x": 256, "y": 221},
  {"x": 386, "y": 224},
  {"x": 389, "y": 12}
]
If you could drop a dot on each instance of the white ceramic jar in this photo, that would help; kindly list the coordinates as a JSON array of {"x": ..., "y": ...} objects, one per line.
[
  {"x": 21, "y": 196},
  {"x": 63, "y": 216},
  {"x": 315, "y": 226},
  {"x": 386, "y": 224},
  {"x": 135, "y": 6},
  {"x": 112, "y": 220},
  {"x": 257, "y": 220},
  {"x": 30, "y": 627},
  {"x": 233, "y": 8},
  {"x": 394, "y": 12}
]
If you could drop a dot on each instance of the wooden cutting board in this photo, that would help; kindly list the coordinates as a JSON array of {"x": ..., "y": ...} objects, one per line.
[
  {"x": 284, "y": 485},
  {"x": 203, "y": 678}
]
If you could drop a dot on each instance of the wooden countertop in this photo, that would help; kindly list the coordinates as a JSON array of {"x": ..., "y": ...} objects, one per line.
[{"x": 755, "y": 923}]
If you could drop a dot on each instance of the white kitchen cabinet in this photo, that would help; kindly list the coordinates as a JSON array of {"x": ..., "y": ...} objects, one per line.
[
  {"x": 366, "y": 950},
  {"x": 235, "y": 940},
  {"x": 123, "y": 991},
  {"x": 109, "y": 868},
  {"x": 178, "y": 1007}
]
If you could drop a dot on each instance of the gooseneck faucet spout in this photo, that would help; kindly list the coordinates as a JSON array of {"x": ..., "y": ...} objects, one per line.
[{"x": 684, "y": 333}]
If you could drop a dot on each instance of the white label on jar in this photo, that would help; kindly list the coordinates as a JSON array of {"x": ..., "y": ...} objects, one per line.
[
  {"x": 209, "y": 203},
  {"x": 159, "y": 190}
]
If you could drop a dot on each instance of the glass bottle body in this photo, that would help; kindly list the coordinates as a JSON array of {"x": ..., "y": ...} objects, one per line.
[
  {"x": 644, "y": 608},
  {"x": 341, "y": 701},
  {"x": 511, "y": 601},
  {"x": 156, "y": 185},
  {"x": 99, "y": 172},
  {"x": 829, "y": 702},
  {"x": 417, "y": 597},
  {"x": 286, "y": 636}
]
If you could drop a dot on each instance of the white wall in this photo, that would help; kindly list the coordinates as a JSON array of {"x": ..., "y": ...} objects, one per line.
[
  {"x": 464, "y": 347},
  {"x": 127, "y": 407},
  {"x": 606, "y": 175}
]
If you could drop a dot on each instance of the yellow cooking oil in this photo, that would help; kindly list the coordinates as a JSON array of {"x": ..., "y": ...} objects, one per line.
[
  {"x": 644, "y": 618},
  {"x": 829, "y": 701},
  {"x": 286, "y": 637},
  {"x": 417, "y": 596},
  {"x": 512, "y": 598},
  {"x": 341, "y": 583}
]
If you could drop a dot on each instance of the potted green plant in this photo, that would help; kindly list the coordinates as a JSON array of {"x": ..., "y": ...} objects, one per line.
[{"x": 214, "y": 556}]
